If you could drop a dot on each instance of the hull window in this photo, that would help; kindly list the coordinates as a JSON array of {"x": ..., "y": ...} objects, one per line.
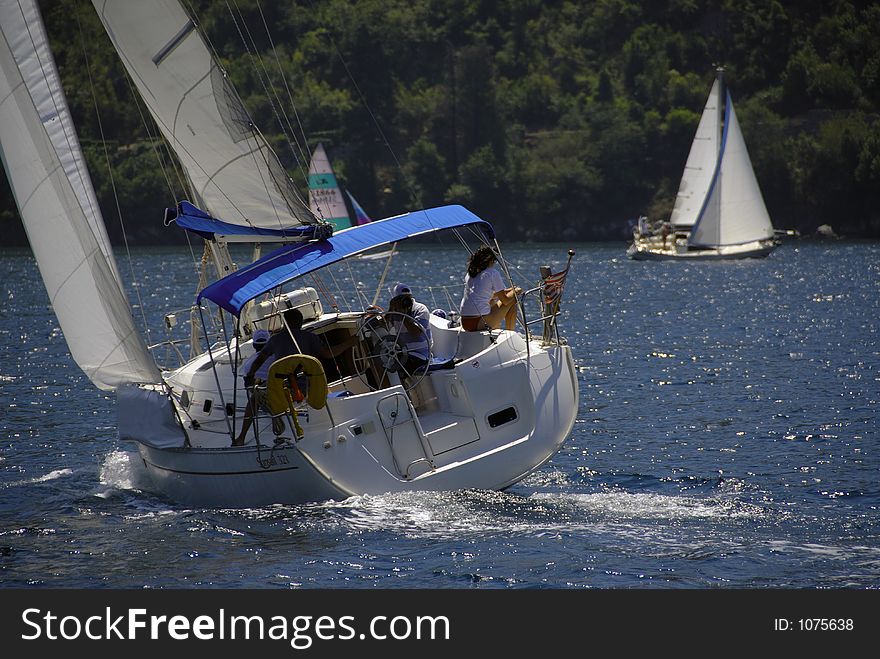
[{"x": 501, "y": 417}]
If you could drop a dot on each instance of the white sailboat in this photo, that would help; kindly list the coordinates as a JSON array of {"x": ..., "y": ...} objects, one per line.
[
  {"x": 326, "y": 200},
  {"x": 719, "y": 212},
  {"x": 325, "y": 195},
  {"x": 491, "y": 408}
]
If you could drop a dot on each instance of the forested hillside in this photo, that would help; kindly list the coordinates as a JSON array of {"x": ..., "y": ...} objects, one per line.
[{"x": 552, "y": 119}]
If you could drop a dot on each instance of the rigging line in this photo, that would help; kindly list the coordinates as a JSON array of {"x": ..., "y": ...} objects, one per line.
[
  {"x": 263, "y": 148},
  {"x": 135, "y": 280},
  {"x": 407, "y": 183},
  {"x": 382, "y": 278},
  {"x": 357, "y": 290},
  {"x": 163, "y": 167},
  {"x": 262, "y": 74},
  {"x": 303, "y": 155},
  {"x": 319, "y": 284},
  {"x": 329, "y": 270},
  {"x": 452, "y": 305},
  {"x": 153, "y": 140}
]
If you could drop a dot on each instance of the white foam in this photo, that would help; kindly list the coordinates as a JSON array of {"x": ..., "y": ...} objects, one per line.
[
  {"x": 420, "y": 514},
  {"x": 654, "y": 506},
  {"x": 480, "y": 513},
  {"x": 51, "y": 476},
  {"x": 124, "y": 470}
]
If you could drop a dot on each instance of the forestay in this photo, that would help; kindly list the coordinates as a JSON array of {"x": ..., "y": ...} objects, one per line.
[
  {"x": 234, "y": 173},
  {"x": 54, "y": 193}
]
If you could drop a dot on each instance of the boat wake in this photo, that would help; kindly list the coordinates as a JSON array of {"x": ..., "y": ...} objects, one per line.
[
  {"x": 483, "y": 514},
  {"x": 634, "y": 506},
  {"x": 51, "y": 476}
]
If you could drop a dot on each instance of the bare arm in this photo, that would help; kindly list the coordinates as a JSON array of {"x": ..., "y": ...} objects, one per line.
[{"x": 262, "y": 356}]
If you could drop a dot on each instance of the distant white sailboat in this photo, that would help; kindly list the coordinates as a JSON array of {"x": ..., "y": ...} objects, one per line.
[
  {"x": 325, "y": 195},
  {"x": 719, "y": 212},
  {"x": 326, "y": 200}
]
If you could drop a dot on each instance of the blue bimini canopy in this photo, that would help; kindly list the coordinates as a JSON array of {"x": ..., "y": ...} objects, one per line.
[
  {"x": 292, "y": 261},
  {"x": 199, "y": 222}
]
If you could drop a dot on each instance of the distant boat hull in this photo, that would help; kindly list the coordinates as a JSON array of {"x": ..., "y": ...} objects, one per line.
[
  {"x": 648, "y": 250},
  {"x": 373, "y": 256}
]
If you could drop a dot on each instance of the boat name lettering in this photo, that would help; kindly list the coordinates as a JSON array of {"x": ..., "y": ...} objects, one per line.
[{"x": 273, "y": 461}]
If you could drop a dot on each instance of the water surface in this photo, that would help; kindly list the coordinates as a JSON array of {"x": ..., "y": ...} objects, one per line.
[{"x": 727, "y": 437}]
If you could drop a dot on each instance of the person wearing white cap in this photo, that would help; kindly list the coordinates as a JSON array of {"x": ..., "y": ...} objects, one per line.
[
  {"x": 255, "y": 383},
  {"x": 261, "y": 338}
]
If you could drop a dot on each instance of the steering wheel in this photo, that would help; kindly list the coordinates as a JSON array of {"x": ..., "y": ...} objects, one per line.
[{"x": 382, "y": 347}]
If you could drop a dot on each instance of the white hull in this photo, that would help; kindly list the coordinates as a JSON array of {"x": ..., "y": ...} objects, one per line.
[
  {"x": 501, "y": 413},
  {"x": 372, "y": 256},
  {"x": 653, "y": 249},
  {"x": 248, "y": 476}
]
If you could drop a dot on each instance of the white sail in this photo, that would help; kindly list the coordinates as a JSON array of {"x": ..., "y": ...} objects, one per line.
[
  {"x": 231, "y": 167},
  {"x": 700, "y": 164},
  {"x": 325, "y": 198},
  {"x": 734, "y": 213},
  {"x": 44, "y": 164}
]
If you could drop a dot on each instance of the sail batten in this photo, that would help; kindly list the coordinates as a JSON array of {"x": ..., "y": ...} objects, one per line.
[{"x": 58, "y": 207}]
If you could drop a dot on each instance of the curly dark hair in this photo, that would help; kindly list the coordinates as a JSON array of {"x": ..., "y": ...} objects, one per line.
[{"x": 481, "y": 259}]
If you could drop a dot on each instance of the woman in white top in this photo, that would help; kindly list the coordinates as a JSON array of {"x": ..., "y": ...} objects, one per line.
[{"x": 486, "y": 302}]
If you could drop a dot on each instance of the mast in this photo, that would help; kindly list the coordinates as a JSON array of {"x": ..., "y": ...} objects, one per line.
[{"x": 719, "y": 126}]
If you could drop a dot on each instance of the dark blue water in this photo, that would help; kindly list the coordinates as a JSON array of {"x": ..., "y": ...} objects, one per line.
[{"x": 727, "y": 437}]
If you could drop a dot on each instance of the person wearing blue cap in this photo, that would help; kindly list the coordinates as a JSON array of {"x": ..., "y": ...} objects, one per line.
[
  {"x": 292, "y": 340},
  {"x": 415, "y": 332}
]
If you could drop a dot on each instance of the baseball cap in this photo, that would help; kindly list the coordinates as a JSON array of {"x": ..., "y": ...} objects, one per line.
[
  {"x": 401, "y": 289},
  {"x": 261, "y": 336}
]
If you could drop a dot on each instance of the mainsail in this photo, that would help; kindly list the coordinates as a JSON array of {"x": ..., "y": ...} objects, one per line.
[
  {"x": 734, "y": 212},
  {"x": 233, "y": 171},
  {"x": 700, "y": 164},
  {"x": 325, "y": 198},
  {"x": 54, "y": 194}
]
